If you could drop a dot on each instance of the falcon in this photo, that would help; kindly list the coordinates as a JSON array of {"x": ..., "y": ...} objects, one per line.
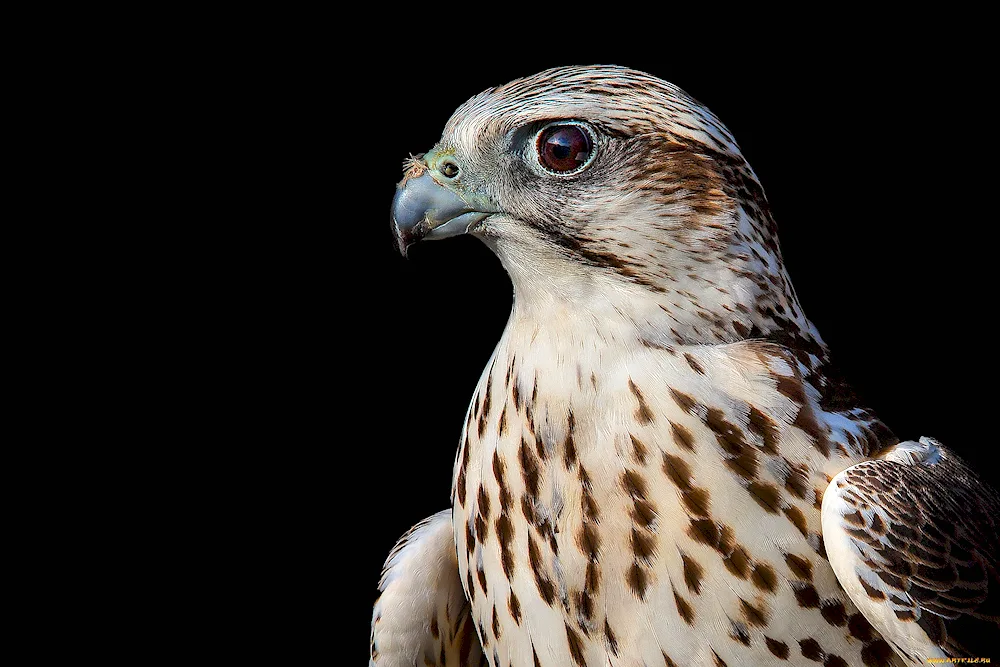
[{"x": 660, "y": 466}]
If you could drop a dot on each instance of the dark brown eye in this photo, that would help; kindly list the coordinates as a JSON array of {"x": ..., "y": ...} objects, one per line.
[{"x": 564, "y": 148}]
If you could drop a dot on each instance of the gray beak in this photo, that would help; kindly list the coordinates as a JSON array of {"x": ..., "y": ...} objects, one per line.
[{"x": 423, "y": 208}]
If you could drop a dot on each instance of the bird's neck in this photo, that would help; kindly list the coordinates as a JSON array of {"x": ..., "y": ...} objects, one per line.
[
  {"x": 693, "y": 293},
  {"x": 581, "y": 308}
]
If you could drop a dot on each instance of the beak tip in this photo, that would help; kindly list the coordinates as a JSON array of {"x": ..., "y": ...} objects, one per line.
[
  {"x": 403, "y": 246},
  {"x": 407, "y": 235}
]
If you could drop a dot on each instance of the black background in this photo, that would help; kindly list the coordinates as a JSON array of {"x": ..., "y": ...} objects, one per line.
[
  {"x": 243, "y": 395},
  {"x": 354, "y": 366}
]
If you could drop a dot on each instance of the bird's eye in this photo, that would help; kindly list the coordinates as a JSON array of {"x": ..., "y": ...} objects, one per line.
[{"x": 565, "y": 148}]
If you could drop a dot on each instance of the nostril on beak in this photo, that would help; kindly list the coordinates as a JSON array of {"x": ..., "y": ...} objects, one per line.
[{"x": 449, "y": 169}]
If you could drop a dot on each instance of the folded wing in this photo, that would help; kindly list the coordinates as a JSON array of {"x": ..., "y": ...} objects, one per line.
[
  {"x": 422, "y": 617},
  {"x": 912, "y": 537}
]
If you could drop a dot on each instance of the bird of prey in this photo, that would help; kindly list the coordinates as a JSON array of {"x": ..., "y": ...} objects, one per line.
[{"x": 660, "y": 466}]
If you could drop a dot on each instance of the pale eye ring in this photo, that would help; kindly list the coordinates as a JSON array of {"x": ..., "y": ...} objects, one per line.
[{"x": 565, "y": 147}]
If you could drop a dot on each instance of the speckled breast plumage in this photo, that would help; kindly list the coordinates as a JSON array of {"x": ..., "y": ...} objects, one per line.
[{"x": 677, "y": 484}]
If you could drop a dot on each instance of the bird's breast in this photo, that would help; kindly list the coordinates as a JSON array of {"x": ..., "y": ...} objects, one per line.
[{"x": 681, "y": 485}]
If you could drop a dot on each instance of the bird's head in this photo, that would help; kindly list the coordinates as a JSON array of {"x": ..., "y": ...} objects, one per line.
[{"x": 609, "y": 190}]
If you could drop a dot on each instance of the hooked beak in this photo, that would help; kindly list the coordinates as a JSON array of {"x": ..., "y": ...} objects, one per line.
[{"x": 423, "y": 208}]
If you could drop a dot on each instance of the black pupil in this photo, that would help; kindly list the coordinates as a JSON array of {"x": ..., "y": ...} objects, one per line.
[{"x": 564, "y": 147}]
